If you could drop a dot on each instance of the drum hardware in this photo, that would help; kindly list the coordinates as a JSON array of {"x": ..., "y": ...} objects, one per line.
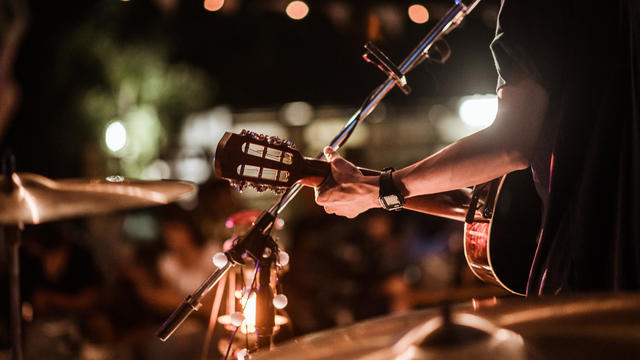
[
  {"x": 27, "y": 198},
  {"x": 257, "y": 239},
  {"x": 12, "y": 236},
  {"x": 576, "y": 326}
]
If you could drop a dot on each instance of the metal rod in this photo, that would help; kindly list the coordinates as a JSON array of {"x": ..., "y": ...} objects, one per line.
[
  {"x": 12, "y": 239},
  {"x": 449, "y": 21},
  {"x": 190, "y": 304}
]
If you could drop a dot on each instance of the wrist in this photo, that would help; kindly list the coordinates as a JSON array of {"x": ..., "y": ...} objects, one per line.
[
  {"x": 373, "y": 184},
  {"x": 389, "y": 195}
]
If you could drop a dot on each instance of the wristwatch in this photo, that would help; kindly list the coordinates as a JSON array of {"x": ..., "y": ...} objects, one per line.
[{"x": 390, "y": 197}]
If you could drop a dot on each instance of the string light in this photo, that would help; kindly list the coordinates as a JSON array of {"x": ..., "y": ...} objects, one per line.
[
  {"x": 213, "y": 5},
  {"x": 297, "y": 10},
  {"x": 220, "y": 260},
  {"x": 418, "y": 14},
  {"x": 283, "y": 258}
]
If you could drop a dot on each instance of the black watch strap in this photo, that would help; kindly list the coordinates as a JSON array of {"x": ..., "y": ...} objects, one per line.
[{"x": 390, "y": 197}]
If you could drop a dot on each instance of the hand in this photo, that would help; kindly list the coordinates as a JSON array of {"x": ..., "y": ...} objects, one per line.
[{"x": 348, "y": 193}]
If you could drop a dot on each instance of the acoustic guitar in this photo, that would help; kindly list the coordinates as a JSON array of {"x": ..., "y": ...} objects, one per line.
[{"x": 502, "y": 217}]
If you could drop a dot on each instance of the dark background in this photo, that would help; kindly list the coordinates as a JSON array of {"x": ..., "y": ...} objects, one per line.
[{"x": 254, "y": 56}]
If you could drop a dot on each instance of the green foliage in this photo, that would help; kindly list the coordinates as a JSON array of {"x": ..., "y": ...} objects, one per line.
[{"x": 136, "y": 83}]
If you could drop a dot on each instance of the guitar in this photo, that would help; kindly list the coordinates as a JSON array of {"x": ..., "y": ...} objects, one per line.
[{"x": 500, "y": 254}]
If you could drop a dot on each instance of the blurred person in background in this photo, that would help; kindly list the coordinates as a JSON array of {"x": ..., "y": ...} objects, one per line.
[
  {"x": 170, "y": 276},
  {"x": 62, "y": 289},
  {"x": 341, "y": 274}
]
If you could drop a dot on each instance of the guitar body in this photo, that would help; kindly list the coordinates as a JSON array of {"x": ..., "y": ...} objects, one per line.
[{"x": 501, "y": 241}]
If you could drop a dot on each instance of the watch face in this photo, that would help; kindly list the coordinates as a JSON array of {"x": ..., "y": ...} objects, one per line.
[{"x": 391, "y": 202}]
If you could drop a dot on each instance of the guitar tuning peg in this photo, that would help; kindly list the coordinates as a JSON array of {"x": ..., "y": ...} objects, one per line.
[
  {"x": 240, "y": 186},
  {"x": 261, "y": 188}
]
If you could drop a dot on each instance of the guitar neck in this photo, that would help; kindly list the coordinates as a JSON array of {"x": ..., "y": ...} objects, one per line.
[{"x": 450, "y": 204}]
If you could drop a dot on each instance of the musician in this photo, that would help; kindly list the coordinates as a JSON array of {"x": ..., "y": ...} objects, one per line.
[{"x": 569, "y": 109}]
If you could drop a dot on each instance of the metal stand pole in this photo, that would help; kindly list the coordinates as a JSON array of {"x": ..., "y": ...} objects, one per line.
[
  {"x": 265, "y": 311},
  {"x": 12, "y": 240}
]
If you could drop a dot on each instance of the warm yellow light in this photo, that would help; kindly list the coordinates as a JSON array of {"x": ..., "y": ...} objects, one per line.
[
  {"x": 418, "y": 14},
  {"x": 213, "y": 5},
  {"x": 249, "y": 324},
  {"x": 297, "y": 10}
]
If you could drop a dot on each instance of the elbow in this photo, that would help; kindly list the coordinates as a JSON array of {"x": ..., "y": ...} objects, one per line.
[{"x": 518, "y": 158}]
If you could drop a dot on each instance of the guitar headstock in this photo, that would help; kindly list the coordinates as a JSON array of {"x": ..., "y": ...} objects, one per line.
[{"x": 260, "y": 161}]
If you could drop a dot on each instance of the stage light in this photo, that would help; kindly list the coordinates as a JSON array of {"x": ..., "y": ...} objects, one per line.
[
  {"x": 418, "y": 14},
  {"x": 297, "y": 10},
  {"x": 479, "y": 111},
  {"x": 213, "y": 5},
  {"x": 115, "y": 136}
]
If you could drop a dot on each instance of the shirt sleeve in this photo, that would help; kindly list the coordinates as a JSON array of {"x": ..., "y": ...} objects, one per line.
[{"x": 529, "y": 37}]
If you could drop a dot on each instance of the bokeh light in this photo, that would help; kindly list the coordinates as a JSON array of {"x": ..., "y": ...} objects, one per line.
[
  {"x": 115, "y": 136},
  {"x": 479, "y": 110},
  {"x": 213, "y": 5},
  {"x": 418, "y": 14},
  {"x": 297, "y": 10},
  {"x": 297, "y": 113}
]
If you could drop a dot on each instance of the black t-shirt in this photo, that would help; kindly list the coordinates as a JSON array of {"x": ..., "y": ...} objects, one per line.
[{"x": 587, "y": 162}]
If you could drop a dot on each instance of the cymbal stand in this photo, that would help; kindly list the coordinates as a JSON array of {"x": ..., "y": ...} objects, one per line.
[
  {"x": 12, "y": 236},
  {"x": 254, "y": 242},
  {"x": 12, "y": 239}
]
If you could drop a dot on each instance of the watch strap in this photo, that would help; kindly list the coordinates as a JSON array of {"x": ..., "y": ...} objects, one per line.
[{"x": 390, "y": 197}]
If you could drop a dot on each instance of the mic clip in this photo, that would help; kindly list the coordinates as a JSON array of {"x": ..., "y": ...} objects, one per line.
[{"x": 377, "y": 57}]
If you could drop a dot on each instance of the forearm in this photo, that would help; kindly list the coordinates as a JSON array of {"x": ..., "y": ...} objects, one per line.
[
  {"x": 507, "y": 145},
  {"x": 473, "y": 160}
]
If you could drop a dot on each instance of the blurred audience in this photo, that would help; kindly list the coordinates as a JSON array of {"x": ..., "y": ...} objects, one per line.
[
  {"x": 341, "y": 272},
  {"x": 61, "y": 293}
]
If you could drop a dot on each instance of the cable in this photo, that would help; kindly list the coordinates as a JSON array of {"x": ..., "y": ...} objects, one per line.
[{"x": 233, "y": 335}]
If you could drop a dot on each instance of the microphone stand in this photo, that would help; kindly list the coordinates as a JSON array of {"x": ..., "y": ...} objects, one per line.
[{"x": 257, "y": 240}]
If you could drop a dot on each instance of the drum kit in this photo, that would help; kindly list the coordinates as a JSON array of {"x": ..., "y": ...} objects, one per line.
[
  {"x": 561, "y": 327},
  {"x": 27, "y": 198},
  {"x": 586, "y": 326}
]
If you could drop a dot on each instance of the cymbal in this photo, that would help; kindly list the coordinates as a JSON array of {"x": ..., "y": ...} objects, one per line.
[
  {"x": 561, "y": 327},
  {"x": 32, "y": 199}
]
